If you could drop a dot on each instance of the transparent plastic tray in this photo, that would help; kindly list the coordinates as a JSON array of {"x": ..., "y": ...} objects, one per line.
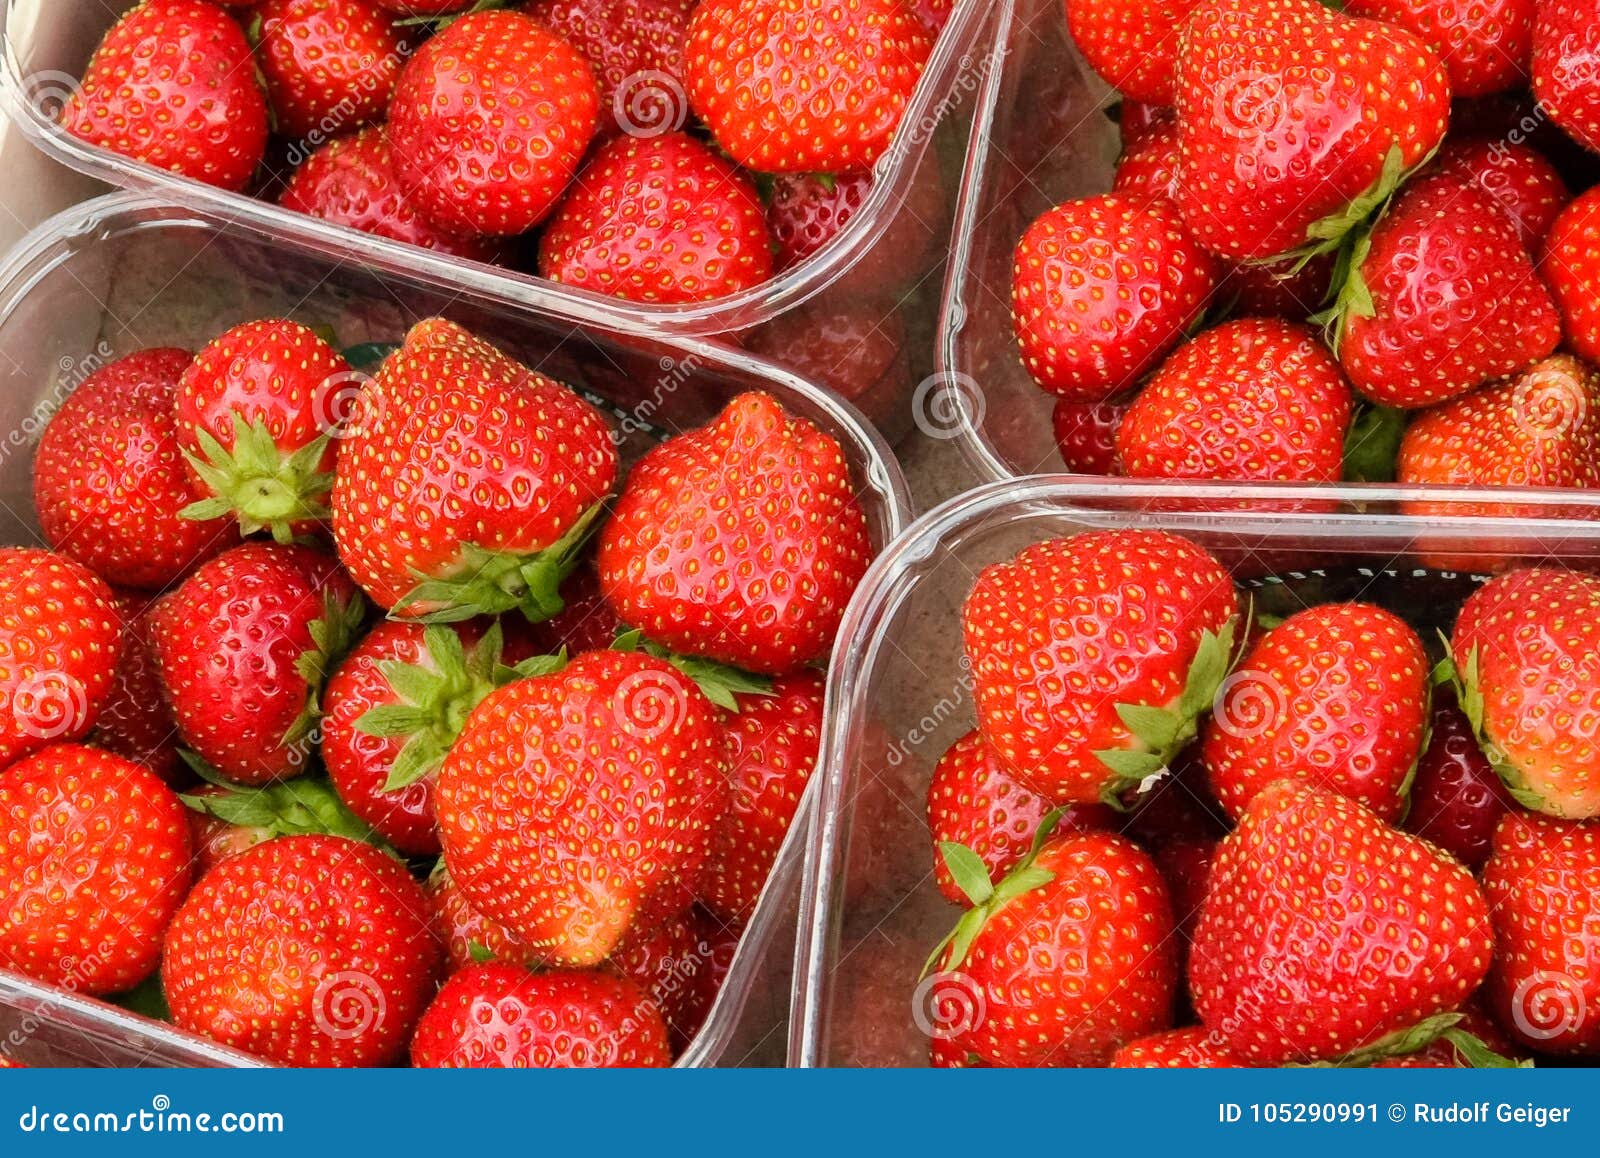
[{"x": 128, "y": 271}]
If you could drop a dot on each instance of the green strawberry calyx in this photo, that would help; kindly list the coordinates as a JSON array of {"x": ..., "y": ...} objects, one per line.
[
  {"x": 304, "y": 806},
  {"x": 1469, "y": 696},
  {"x": 1405, "y": 1042},
  {"x": 720, "y": 682},
  {"x": 258, "y": 482},
  {"x": 441, "y": 21},
  {"x": 1372, "y": 445},
  {"x": 333, "y": 633}
]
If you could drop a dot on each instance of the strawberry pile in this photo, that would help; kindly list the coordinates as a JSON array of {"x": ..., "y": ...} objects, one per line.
[
  {"x": 1342, "y": 243},
  {"x": 1188, "y": 836},
  {"x": 662, "y": 151},
  {"x": 349, "y": 716}
]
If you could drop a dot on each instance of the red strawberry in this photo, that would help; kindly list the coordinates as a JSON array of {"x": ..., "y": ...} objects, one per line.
[
  {"x": 225, "y": 819},
  {"x": 1485, "y": 47},
  {"x": 496, "y": 1016},
  {"x": 804, "y": 86},
  {"x": 772, "y": 743},
  {"x": 305, "y": 950},
  {"x": 60, "y": 636},
  {"x": 1445, "y": 299},
  {"x": 94, "y": 859},
  {"x": 173, "y": 85},
  {"x": 680, "y": 965},
  {"x": 1325, "y": 930},
  {"x": 329, "y": 65},
  {"x": 586, "y": 623},
  {"x": 1543, "y": 883},
  {"x": 1524, "y": 185},
  {"x": 1086, "y": 434},
  {"x": 1278, "y": 289},
  {"x": 935, "y": 14},
  {"x": 109, "y": 480},
  {"x": 467, "y": 935},
  {"x": 636, "y": 50},
  {"x": 1076, "y": 270},
  {"x": 465, "y": 470},
  {"x": 807, "y": 210},
  {"x": 1525, "y": 648},
  {"x": 1093, "y": 656},
  {"x": 351, "y": 181},
  {"x": 245, "y": 646},
  {"x": 1253, "y": 399},
  {"x": 1336, "y": 696},
  {"x": 489, "y": 121},
  {"x": 135, "y": 720},
  {"x": 1149, "y": 166},
  {"x": 1136, "y": 120},
  {"x": 1565, "y": 39},
  {"x": 1456, "y": 798},
  {"x": 859, "y": 353},
  {"x": 1473, "y": 1042},
  {"x": 1573, "y": 273},
  {"x": 1193, "y": 1048},
  {"x": 1291, "y": 113},
  {"x": 1132, "y": 44},
  {"x": 257, "y": 411},
  {"x": 973, "y": 801},
  {"x": 1060, "y": 981},
  {"x": 658, "y": 219},
  {"x": 630, "y": 748},
  {"x": 740, "y": 542}
]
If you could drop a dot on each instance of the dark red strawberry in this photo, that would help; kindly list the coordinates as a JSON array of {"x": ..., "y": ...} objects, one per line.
[
  {"x": 636, "y": 50},
  {"x": 1136, "y": 120},
  {"x": 1132, "y": 44},
  {"x": 1572, "y": 270},
  {"x": 1192, "y": 1048},
  {"x": 305, "y": 950},
  {"x": 586, "y": 623},
  {"x": 1565, "y": 40},
  {"x": 933, "y": 13},
  {"x": 329, "y": 65},
  {"x": 1456, "y": 798},
  {"x": 1485, "y": 47},
  {"x": 1277, "y": 289},
  {"x": 680, "y": 965},
  {"x": 467, "y": 935},
  {"x": 135, "y": 720},
  {"x": 807, "y": 210},
  {"x": 1149, "y": 166},
  {"x": 658, "y": 219},
  {"x": 109, "y": 480},
  {"x": 173, "y": 85},
  {"x": 740, "y": 542},
  {"x": 860, "y": 353},
  {"x": 1520, "y": 180},
  {"x": 94, "y": 859},
  {"x": 1086, "y": 434}
]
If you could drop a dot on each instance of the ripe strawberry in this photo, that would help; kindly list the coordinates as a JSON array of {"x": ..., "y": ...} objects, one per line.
[
  {"x": 635, "y": 48},
  {"x": 804, "y": 86},
  {"x": 497, "y": 1016},
  {"x": 1093, "y": 656},
  {"x": 488, "y": 121},
  {"x": 1472, "y": 1042},
  {"x": 467, "y": 935},
  {"x": 135, "y": 720},
  {"x": 1524, "y": 647},
  {"x": 934, "y": 14},
  {"x": 329, "y": 65},
  {"x": 1570, "y": 269},
  {"x": 351, "y": 181},
  {"x": 807, "y": 210},
  {"x": 1148, "y": 167},
  {"x": 1485, "y": 47},
  {"x": 1325, "y": 930},
  {"x": 466, "y": 481},
  {"x": 772, "y": 743},
  {"x": 1565, "y": 86},
  {"x": 1525, "y": 186},
  {"x": 658, "y": 219},
  {"x": 1075, "y": 271},
  {"x": 860, "y": 353},
  {"x": 109, "y": 480},
  {"x": 1253, "y": 399},
  {"x": 225, "y": 819},
  {"x": 94, "y": 859},
  {"x": 680, "y": 965},
  {"x": 1291, "y": 115},
  {"x": 1336, "y": 696},
  {"x": 1456, "y": 798},
  {"x": 631, "y": 747},
  {"x": 1445, "y": 299},
  {"x": 1058, "y": 981},
  {"x": 1132, "y": 44},
  {"x": 1086, "y": 434},
  {"x": 173, "y": 85},
  {"x": 245, "y": 645},
  {"x": 740, "y": 542},
  {"x": 1137, "y": 120},
  {"x": 257, "y": 411},
  {"x": 1277, "y": 289},
  {"x": 1192, "y": 1048},
  {"x": 973, "y": 801},
  {"x": 1543, "y": 884},
  {"x": 305, "y": 950},
  {"x": 60, "y": 636},
  {"x": 586, "y": 623}
]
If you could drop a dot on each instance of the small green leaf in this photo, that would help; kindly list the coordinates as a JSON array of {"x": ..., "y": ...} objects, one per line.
[
  {"x": 1478, "y": 1055},
  {"x": 1372, "y": 444},
  {"x": 389, "y": 720},
  {"x": 1157, "y": 728},
  {"x": 970, "y": 873},
  {"x": 1022, "y": 880},
  {"x": 479, "y": 953},
  {"x": 1131, "y": 766}
]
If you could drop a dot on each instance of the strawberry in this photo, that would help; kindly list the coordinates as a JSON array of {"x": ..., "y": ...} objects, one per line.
[
  {"x": 1543, "y": 883},
  {"x": 60, "y": 636},
  {"x": 1086, "y": 434},
  {"x": 1132, "y": 44},
  {"x": 1444, "y": 299},
  {"x": 467, "y": 935},
  {"x": 680, "y": 965},
  {"x": 1472, "y": 1042},
  {"x": 1565, "y": 86},
  {"x": 351, "y": 181},
  {"x": 1137, "y": 120},
  {"x": 109, "y": 481},
  {"x": 1296, "y": 120},
  {"x": 173, "y": 85},
  {"x": 1456, "y": 798},
  {"x": 1485, "y": 47},
  {"x": 329, "y": 65},
  {"x": 631, "y": 749},
  {"x": 658, "y": 219},
  {"x": 741, "y": 541},
  {"x": 804, "y": 86},
  {"x": 245, "y": 645},
  {"x": 1253, "y": 399},
  {"x": 772, "y": 743},
  {"x": 1278, "y": 289},
  {"x": 1191, "y": 1048},
  {"x": 859, "y": 353},
  {"x": 497, "y": 1016},
  {"x": 1525, "y": 186},
  {"x": 935, "y": 14},
  {"x": 1570, "y": 268},
  {"x": 807, "y": 210},
  {"x": 1524, "y": 648},
  {"x": 1336, "y": 696},
  {"x": 135, "y": 720},
  {"x": 1058, "y": 980},
  {"x": 257, "y": 411},
  {"x": 1148, "y": 166},
  {"x": 466, "y": 481},
  {"x": 636, "y": 50},
  {"x": 488, "y": 121},
  {"x": 585, "y": 623},
  {"x": 305, "y": 950},
  {"x": 1325, "y": 930},
  {"x": 973, "y": 801},
  {"x": 94, "y": 859},
  {"x": 1075, "y": 271},
  {"x": 1093, "y": 656}
]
